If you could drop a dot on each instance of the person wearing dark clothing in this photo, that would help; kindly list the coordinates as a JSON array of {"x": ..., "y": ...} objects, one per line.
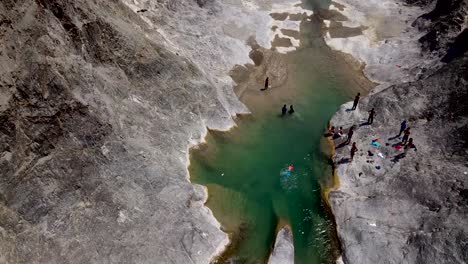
[
  {"x": 370, "y": 120},
  {"x": 402, "y": 127},
  {"x": 354, "y": 149},
  {"x": 350, "y": 135},
  {"x": 356, "y": 101},
  {"x": 410, "y": 145},
  {"x": 267, "y": 82},
  {"x": 406, "y": 135},
  {"x": 291, "y": 110},
  {"x": 284, "y": 110}
]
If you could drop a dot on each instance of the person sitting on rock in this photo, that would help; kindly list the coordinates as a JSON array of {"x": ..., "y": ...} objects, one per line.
[{"x": 340, "y": 132}]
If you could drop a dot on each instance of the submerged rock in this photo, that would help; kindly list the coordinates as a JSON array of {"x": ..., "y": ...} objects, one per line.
[{"x": 283, "y": 253}]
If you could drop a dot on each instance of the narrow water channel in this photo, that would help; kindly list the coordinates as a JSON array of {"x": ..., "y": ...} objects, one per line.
[{"x": 241, "y": 168}]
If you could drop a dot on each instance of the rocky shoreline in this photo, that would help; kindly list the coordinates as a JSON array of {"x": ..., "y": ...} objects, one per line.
[
  {"x": 101, "y": 100},
  {"x": 99, "y": 103},
  {"x": 406, "y": 206}
]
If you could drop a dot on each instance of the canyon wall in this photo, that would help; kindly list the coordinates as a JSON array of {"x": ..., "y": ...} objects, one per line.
[
  {"x": 97, "y": 110},
  {"x": 410, "y": 206}
]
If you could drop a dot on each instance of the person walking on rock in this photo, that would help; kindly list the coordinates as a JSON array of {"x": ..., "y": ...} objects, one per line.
[
  {"x": 406, "y": 135},
  {"x": 291, "y": 110},
  {"x": 354, "y": 149},
  {"x": 350, "y": 135},
  {"x": 402, "y": 127},
  {"x": 370, "y": 120},
  {"x": 356, "y": 101},
  {"x": 284, "y": 110}
]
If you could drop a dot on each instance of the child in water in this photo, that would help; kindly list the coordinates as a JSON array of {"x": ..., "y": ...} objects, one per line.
[{"x": 291, "y": 167}]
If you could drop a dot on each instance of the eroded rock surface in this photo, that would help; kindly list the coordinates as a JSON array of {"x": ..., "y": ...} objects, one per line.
[
  {"x": 409, "y": 206},
  {"x": 96, "y": 116},
  {"x": 283, "y": 252}
]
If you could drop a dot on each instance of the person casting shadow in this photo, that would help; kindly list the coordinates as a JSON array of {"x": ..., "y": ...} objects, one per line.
[
  {"x": 356, "y": 101},
  {"x": 267, "y": 83}
]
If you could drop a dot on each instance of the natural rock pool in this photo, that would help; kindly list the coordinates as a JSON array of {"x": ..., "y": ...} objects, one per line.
[{"x": 241, "y": 168}]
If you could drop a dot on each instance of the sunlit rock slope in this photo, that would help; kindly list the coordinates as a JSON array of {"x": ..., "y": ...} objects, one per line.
[
  {"x": 410, "y": 206},
  {"x": 97, "y": 111}
]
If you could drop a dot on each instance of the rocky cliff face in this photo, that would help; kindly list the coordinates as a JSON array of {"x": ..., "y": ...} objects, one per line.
[
  {"x": 96, "y": 113},
  {"x": 410, "y": 206}
]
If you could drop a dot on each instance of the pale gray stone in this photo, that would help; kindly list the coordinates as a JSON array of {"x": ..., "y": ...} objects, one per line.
[{"x": 283, "y": 253}]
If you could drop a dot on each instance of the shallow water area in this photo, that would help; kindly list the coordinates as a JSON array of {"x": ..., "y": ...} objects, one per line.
[{"x": 249, "y": 191}]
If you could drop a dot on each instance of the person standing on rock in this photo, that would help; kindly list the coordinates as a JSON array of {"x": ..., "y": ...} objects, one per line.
[
  {"x": 354, "y": 149},
  {"x": 410, "y": 145},
  {"x": 402, "y": 127},
  {"x": 356, "y": 101},
  {"x": 284, "y": 110},
  {"x": 291, "y": 110},
  {"x": 267, "y": 83},
  {"x": 350, "y": 135},
  {"x": 406, "y": 135},
  {"x": 370, "y": 120}
]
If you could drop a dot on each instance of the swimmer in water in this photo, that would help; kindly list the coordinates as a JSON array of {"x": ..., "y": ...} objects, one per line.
[{"x": 291, "y": 167}]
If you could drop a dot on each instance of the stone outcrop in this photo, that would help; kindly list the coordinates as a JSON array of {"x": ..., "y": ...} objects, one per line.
[
  {"x": 283, "y": 252},
  {"x": 96, "y": 116},
  {"x": 410, "y": 205},
  {"x": 442, "y": 24}
]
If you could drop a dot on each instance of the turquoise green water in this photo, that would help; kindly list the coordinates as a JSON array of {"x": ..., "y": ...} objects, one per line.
[{"x": 241, "y": 168}]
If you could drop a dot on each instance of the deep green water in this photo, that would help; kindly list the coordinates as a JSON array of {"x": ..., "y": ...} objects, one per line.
[{"x": 242, "y": 167}]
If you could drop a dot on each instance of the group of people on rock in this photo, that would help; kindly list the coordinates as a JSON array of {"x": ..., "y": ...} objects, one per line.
[{"x": 406, "y": 142}]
